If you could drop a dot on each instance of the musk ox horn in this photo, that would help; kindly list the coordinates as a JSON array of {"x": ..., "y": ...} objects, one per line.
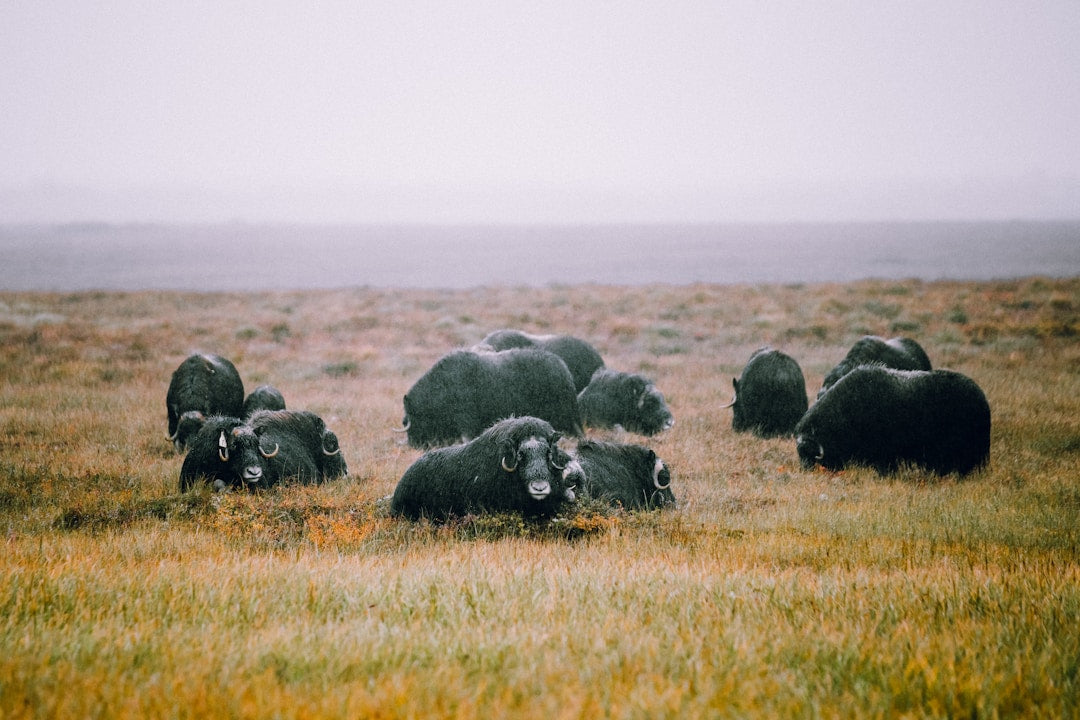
[
  {"x": 506, "y": 467},
  {"x": 732, "y": 403},
  {"x": 656, "y": 476},
  {"x": 329, "y": 453},
  {"x": 223, "y": 447},
  {"x": 404, "y": 428},
  {"x": 557, "y": 466},
  {"x": 265, "y": 454},
  {"x": 820, "y": 452}
]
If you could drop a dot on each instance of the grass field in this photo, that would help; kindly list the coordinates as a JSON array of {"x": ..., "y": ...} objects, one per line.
[{"x": 770, "y": 591}]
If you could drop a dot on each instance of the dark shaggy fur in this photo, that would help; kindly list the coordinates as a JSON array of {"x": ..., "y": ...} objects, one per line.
[
  {"x": 628, "y": 475},
  {"x": 770, "y": 397},
  {"x": 270, "y": 447},
  {"x": 899, "y": 353},
  {"x": 465, "y": 392},
  {"x": 627, "y": 400},
  {"x": 514, "y": 466},
  {"x": 580, "y": 357},
  {"x": 203, "y": 385},
  {"x": 264, "y": 397},
  {"x": 884, "y": 418}
]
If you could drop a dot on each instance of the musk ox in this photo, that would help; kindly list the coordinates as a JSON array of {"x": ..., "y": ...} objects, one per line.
[
  {"x": 628, "y": 475},
  {"x": 513, "y": 466},
  {"x": 580, "y": 357},
  {"x": 627, "y": 400},
  {"x": 884, "y": 418},
  {"x": 264, "y": 397},
  {"x": 465, "y": 392},
  {"x": 899, "y": 353},
  {"x": 270, "y": 447},
  {"x": 770, "y": 397},
  {"x": 203, "y": 385}
]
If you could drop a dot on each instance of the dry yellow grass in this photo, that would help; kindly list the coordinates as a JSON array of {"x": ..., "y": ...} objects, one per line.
[{"x": 770, "y": 591}]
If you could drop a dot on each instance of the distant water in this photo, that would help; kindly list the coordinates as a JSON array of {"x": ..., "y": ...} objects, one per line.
[{"x": 245, "y": 257}]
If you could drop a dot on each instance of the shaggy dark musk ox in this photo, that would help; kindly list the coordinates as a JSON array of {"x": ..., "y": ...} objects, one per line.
[
  {"x": 264, "y": 397},
  {"x": 628, "y": 475},
  {"x": 580, "y": 357},
  {"x": 770, "y": 397},
  {"x": 884, "y": 418},
  {"x": 627, "y": 400},
  {"x": 513, "y": 466},
  {"x": 465, "y": 392},
  {"x": 899, "y": 353},
  {"x": 202, "y": 386},
  {"x": 272, "y": 446}
]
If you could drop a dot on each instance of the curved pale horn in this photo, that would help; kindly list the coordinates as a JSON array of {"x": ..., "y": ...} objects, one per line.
[
  {"x": 223, "y": 447},
  {"x": 277, "y": 448},
  {"x": 733, "y": 400},
  {"x": 656, "y": 476},
  {"x": 820, "y": 452},
  {"x": 403, "y": 428},
  {"x": 506, "y": 467},
  {"x": 331, "y": 454}
]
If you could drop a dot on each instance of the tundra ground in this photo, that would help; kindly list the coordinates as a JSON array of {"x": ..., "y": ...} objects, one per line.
[{"x": 771, "y": 590}]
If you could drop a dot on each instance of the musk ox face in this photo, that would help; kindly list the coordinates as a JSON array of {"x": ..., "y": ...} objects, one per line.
[
  {"x": 770, "y": 397},
  {"x": 206, "y": 385},
  {"x": 627, "y": 400},
  {"x": 227, "y": 453},
  {"x": 885, "y": 418},
  {"x": 268, "y": 448},
  {"x": 899, "y": 353},
  {"x": 516, "y": 465},
  {"x": 632, "y": 476}
]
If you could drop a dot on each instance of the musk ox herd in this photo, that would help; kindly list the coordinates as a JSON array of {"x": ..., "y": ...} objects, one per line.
[{"x": 502, "y": 425}]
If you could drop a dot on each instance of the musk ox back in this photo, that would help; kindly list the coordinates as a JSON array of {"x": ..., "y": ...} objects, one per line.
[
  {"x": 264, "y": 397},
  {"x": 465, "y": 392},
  {"x": 513, "y": 466},
  {"x": 628, "y": 400},
  {"x": 628, "y": 475},
  {"x": 885, "y": 418},
  {"x": 899, "y": 353},
  {"x": 268, "y": 448},
  {"x": 580, "y": 357},
  {"x": 202, "y": 386},
  {"x": 770, "y": 397}
]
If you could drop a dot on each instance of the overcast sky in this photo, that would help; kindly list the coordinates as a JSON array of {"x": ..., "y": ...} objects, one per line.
[{"x": 556, "y": 111}]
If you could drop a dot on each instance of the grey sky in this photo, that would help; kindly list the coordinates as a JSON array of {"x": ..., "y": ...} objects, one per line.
[{"x": 562, "y": 111}]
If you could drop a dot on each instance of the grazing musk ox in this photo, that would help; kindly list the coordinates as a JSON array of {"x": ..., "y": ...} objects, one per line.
[
  {"x": 770, "y": 397},
  {"x": 466, "y": 391},
  {"x": 884, "y": 418},
  {"x": 203, "y": 385},
  {"x": 899, "y": 353},
  {"x": 628, "y": 475},
  {"x": 264, "y": 397},
  {"x": 513, "y": 466},
  {"x": 580, "y": 357},
  {"x": 627, "y": 400},
  {"x": 270, "y": 447}
]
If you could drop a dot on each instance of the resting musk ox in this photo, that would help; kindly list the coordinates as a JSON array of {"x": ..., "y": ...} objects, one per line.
[
  {"x": 465, "y": 392},
  {"x": 264, "y": 397},
  {"x": 203, "y": 385},
  {"x": 770, "y": 397},
  {"x": 513, "y": 466},
  {"x": 628, "y": 475},
  {"x": 884, "y": 418},
  {"x": 580, "y": 357},
  {"x": 270, "y": 447},
  {"x": 627, "y": 400},
  {"x": 899, "y": 353}
]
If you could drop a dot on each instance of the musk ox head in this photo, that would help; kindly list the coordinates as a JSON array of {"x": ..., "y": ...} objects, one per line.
[
  {"x": 533, "y": 461},
  {"x": 770, "y": 397},
  {"x": 627, "y": 400},
  {"x": 227, "y": 453}
]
